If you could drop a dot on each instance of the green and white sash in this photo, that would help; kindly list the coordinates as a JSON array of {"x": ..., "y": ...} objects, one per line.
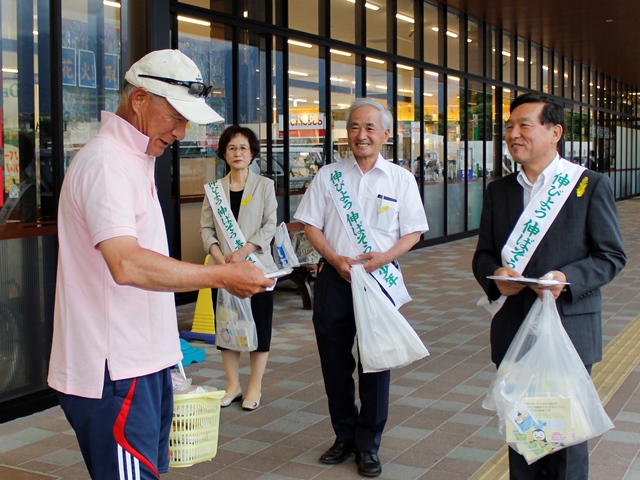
[
  {"x": 357, "y": 228},
  {"x": 535, "y": 221},
  {"x": 231, "y": 231}
]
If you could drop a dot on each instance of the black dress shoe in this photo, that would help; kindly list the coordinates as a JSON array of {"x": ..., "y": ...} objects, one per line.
[
  {"x": 338, "y": 453},
  {"x": 368, "y": 464}
]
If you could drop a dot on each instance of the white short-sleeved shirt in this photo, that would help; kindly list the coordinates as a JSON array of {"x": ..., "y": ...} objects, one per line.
[
  {"x": 108, "y": 191},
  {"x": 388, "y": 196}
]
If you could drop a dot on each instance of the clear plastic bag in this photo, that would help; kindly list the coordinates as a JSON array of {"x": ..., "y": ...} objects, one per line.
[
  {"x": 385, "y": 338},
  {"x": 235, "y": 327},
  {"x": 283, "y": 252},
  {"x": 544, "y": 396}
]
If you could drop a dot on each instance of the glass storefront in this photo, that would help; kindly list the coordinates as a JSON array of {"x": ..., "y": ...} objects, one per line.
[{"x": 289, "y": 74}]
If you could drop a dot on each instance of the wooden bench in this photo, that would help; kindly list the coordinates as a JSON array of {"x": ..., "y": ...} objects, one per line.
[{"x": 301, "y": 276}]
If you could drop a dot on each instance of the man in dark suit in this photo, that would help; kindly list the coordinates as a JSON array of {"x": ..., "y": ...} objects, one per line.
[{"x": 582, "y": 245}]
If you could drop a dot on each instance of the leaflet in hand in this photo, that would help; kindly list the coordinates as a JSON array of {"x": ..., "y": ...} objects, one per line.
[
  {"x": 530, "y": 282},
  {"x": 279, "y": 273}
]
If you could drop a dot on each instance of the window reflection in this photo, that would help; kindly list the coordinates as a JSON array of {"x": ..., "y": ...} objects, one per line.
[
  {"x": 453, "y": 40},
  {"x": 25, "y": 144},
  {"x": 303, "y": 16},
  {"x": 433, "y": 191},
  {"x": 343, "y": 93},
  {"x": 91, "y": 70},
  {"x": 343, "y": 21},
  {"x": 522, "y": 62},
  {"x": 406, "y": 25},
  {"x": 208, "y": 47},
  {"x": 475, "y": 136},
  {"x": 376, "y": 15},
  {"x": 508, "y": 57},
  {"x": 307, "y": 121},
  {"x": 408, "y": 139},
  {"x": 377, "y": 87},
  {"x": 475, "y": 53},
  {"x": 431, "y": 32}
]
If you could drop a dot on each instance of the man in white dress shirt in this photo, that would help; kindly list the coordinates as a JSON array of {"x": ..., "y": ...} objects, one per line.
[{"x": 387, "y": 218}]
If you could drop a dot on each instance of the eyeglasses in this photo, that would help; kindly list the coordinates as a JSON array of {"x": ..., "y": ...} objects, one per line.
[
  {"x": 197, "y": 89},
  {"x": 242, "y": 148}
]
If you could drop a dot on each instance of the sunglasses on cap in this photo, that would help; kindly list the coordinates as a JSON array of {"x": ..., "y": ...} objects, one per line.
[{"x": 197, "y": 89}]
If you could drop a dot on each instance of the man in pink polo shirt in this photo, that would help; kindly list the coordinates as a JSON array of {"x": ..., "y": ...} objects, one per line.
[{"x": 115, "y": 328}]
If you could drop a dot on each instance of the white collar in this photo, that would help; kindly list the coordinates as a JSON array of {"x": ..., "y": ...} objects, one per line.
[
  {"x": 381, "y": 164},
  {"x": 551, "y": 168}
]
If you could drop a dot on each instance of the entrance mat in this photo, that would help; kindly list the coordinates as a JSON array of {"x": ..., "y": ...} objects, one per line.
[{"x": 13, "y": 473}]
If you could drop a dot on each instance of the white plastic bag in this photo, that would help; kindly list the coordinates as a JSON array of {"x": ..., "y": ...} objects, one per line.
[
  {"x": 235, "y": 327},
  {"x": 385, "y": 338},
  {"x": 544, "y": 396},
  {"x": 283, "y": 252}
]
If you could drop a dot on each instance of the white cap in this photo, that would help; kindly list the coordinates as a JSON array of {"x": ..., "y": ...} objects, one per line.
[{"x": 173, "y": 65}]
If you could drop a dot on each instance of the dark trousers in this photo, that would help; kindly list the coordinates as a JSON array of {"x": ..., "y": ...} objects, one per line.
[
  {"x": 571, "y": 463},
  {"x": 335, "y": 329}
]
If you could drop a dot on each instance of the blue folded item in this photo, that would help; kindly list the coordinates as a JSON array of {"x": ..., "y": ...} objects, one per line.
[{"x": 190, "y": 353}]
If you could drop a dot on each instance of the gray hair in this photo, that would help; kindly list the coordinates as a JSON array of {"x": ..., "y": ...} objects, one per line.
[
  {"x": 127, "y": 90},
  {"x": 385, "y": 115}
]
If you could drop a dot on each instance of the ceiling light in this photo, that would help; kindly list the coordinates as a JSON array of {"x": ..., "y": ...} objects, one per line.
[
  {"x": 300, "y": 74},
  {"x": 404, "y": 90},
  {"x": 544, "y": 67},
  {"x": 435, "y": 29},
  {"x": 428, "y": 94},
  {"x": 194, "y": 20},
  {"x": 338, "y": 80},
  {"x": 455, "y": 79},
  {"x": 340, "y": 52},
  {"x": 452, "y": 34},
  {"x": 433, "y": 74},
  {"x": 375, "y": 60},
  {"x": 400, "y": 16},
  {"x": 9, "y": 70},
  {"x": 245, "y": 14},
  {"x": 506, "y": 54},
  {"x": 299, "y": 44},
  {"x": 107, "y": 3},
  {"x": 469, "y": 40},
  {"x": 520, "y": 59},
  {"x": 381, "y": 87},
  {"x": 404, "y": 67}
]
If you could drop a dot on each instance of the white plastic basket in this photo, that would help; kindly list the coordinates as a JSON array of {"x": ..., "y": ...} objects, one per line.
[{"x": 194, "y": 430}]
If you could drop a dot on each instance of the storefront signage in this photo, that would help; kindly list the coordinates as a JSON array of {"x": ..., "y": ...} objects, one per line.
[
  {"x": 87, "y": 69},
  {"x": 69, "y": 66},
  {"x": 111, "y": 62},
  {"x": 11, "y": 169},
  {"x": 305, "y": 125}
]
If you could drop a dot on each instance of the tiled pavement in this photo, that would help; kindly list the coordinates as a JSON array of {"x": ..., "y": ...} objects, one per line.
[{"x": 437, "y": 428}]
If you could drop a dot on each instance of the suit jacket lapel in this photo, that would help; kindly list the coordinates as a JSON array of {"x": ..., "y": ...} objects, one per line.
[{"x": 515, "y": 200}]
